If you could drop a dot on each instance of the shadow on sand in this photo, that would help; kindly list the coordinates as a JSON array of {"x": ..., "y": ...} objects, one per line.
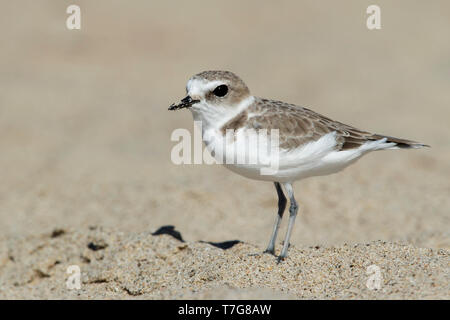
[{"x": 171, "y": 231}]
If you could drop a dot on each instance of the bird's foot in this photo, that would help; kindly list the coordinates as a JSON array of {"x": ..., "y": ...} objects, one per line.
[
  {"x": 267, "y": 251},
  {"x": 280, "y": 258}
]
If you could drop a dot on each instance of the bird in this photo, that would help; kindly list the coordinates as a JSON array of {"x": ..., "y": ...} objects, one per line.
[{"x": 308, "y": 144}]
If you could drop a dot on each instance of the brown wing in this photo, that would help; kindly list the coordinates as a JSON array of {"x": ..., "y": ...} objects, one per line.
[{"x": 298, "y": 126}]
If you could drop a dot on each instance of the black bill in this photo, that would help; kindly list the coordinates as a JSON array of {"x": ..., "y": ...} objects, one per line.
[{"x": 186, "y": 102}]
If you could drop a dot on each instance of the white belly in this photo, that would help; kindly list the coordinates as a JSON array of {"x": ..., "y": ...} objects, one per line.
[{"x": 313, "y": 159}]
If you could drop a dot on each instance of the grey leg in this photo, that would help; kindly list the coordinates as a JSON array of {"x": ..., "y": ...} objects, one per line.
[
  {"x": 292, "y": 214},
  {"x": 276, "y": 226}
]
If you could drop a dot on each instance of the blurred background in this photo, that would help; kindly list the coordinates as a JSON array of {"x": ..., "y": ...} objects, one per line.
[{"x": 85, "y": 131}]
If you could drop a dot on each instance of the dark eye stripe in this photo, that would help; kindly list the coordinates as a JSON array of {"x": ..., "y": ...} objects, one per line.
[{"x": 220, "y": 91}]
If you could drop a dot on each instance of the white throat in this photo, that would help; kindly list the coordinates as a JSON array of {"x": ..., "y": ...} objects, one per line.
[{"x": 214, "y": 117}]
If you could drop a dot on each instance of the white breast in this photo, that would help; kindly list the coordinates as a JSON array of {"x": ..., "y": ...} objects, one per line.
[{"x": 313, "y": 159}]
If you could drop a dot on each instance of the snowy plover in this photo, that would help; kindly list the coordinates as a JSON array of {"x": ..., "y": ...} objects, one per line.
[{"x": 309, "y": 143}]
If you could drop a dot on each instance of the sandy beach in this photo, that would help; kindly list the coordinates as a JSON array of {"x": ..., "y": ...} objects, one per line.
[
  {"x": 116, "y": 265},
  {"x": 85, "y": 140}
]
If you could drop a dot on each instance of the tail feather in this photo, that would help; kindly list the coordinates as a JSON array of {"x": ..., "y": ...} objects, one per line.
[{"x": 400, "y": 143}]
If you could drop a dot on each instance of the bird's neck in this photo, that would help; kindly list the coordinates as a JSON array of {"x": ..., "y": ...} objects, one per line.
[{"x": 214, "y": 116}]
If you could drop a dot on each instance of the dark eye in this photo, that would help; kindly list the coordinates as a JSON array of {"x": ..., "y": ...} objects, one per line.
[{"x": 220, "y": 91}]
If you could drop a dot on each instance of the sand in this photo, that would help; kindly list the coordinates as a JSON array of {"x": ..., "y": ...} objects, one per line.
[
  {"x": 116, "y": 265},
  {"x": 85, "y": 148}
]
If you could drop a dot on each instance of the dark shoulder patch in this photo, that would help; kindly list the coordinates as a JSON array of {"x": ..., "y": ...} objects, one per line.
[{"x": 237, "y": 122}]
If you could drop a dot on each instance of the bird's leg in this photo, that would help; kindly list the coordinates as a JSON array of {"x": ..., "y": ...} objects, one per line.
[
  {"x": 276, "y": 226},
  {"x": 292, "y": 214}
]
